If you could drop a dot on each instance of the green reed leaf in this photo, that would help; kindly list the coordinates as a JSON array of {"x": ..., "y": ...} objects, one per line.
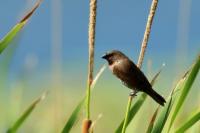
[
  {"x": 190, "y": 122},
  {"x": 7, "y": 39},
  {"x": 25, "y": 115},
  {"x": 185, "y": 90},
  {"x": 75, "y": 114}
]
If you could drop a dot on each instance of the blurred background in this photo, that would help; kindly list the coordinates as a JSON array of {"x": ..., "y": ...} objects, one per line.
[{"x": 51, "y": 53}]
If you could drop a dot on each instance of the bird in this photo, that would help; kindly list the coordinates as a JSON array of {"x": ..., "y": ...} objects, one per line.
[{"x": 130, "y": 75}]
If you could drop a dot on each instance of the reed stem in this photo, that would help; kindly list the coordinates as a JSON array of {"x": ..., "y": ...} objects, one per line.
[
  {"x": 91, "y": 42},
  {"x": 141, "y": 56},
  {"x": 127, "y": 114}
]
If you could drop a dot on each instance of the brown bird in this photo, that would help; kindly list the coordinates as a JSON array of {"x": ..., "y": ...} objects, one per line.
[{"x": 130, "y": 75}]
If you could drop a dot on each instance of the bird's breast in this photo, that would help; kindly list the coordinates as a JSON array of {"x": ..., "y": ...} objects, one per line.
[
  {"x": 123, "y": 72},
  {"x": 119, "y": 70}
]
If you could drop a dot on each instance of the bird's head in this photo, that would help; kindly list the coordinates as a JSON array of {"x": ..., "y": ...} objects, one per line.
[{"x": 113, "y": 56}]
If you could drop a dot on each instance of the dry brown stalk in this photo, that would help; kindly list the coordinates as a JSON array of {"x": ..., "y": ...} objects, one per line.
[
  {"x": 86, "y": 126},
  {"x": 142, "y": 53},
  {"x": 147, "y": 32},
  {"x": 92, "y": 24}
]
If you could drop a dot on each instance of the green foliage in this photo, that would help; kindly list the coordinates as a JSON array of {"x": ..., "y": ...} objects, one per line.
[
  {"x": 160, "y": 122},
  {"x": 151, "y": 124},
  {"x": 163, "y": 115},
  {"x": 190, "y": 122},
  {"x": 16, "y": 29},
  {"x": 183, "y": 87},
  {"x": 25, "y": 115},
  {"x": 75, "y": 114},
  {"x": 9, "y": 37},
  {"x": 4, "y": 42},
  {"x": 186, "y": 89},
  {"x": 73, "y": 117}
]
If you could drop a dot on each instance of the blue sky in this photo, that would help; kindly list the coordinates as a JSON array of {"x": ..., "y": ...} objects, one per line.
[{"x": 120, "y": 25}]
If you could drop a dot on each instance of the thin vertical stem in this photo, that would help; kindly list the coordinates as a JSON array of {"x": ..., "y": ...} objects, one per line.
[
  {"x": 91, "y": 40},
  {"x": 91, "y": 33},
  {"x": 127, "y": 114},
  {"x": 141, "y": 56},
  {"x": 147, "y": 32}
]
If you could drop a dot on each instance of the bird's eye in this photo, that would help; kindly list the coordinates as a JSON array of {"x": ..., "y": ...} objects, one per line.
[{"x": 111, "y": 55}]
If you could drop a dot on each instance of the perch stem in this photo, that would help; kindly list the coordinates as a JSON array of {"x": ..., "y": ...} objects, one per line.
[{"x": 141, "y": 56}]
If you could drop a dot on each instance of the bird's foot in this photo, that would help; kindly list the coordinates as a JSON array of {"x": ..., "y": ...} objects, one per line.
[{"x": 133, "y": 93}]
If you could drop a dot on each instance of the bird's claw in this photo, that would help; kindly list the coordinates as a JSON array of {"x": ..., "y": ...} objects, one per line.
[{"x": 133, "y": 93}]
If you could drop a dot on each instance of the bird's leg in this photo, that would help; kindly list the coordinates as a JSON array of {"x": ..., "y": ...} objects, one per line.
[{"x": 133, "y": 92}]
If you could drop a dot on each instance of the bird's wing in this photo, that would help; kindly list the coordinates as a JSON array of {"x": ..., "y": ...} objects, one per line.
[{"x": 139, "y": 77}]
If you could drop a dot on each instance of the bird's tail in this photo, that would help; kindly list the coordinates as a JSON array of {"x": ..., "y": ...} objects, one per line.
[{"x": 158, "y": 98}]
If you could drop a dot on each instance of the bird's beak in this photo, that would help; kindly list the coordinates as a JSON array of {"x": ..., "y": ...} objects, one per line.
[{"x": 104, "y": 56}]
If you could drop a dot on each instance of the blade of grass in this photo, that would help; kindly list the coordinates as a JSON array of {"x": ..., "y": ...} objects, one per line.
[
  {"x": 190, "y": 122},
  {"x": 159, "y": 124},
  {"x": 9, "y": 37},
  {"x": 16, "y": 29},
  {"x": 186, "y": 89},
  {"x": 150, "y": 127},
  {"x": 102, "y": 69},
  {"x": 135, "y": 108},
  {"x": 163, "y": 115},
  {"x": 26, "y": 114},
  {"x": 74, "y": 116}
]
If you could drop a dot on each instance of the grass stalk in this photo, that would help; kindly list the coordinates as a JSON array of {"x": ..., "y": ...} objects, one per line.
[
  {"x": 91, "y": 41},
  {"x": 76, "y": 113},
  {"x": 185, "y": 90},
  {"x": 92, "y": 23},
  {"x": 190, "y": 122},
  {"x": 7, "y": 39},
  {"x": 26, "y": 114},
  {"x": 142, "y": 53},
  {"x": 127, "y": 114},
  {"x": 147, "y": 32}
]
